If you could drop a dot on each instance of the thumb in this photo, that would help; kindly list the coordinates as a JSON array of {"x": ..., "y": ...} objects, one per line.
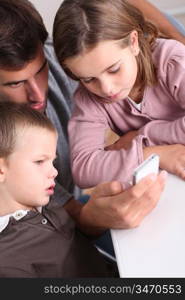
[{"x": 108, "y": 189}]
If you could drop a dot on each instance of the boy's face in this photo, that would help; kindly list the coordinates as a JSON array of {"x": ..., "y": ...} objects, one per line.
[
  {"x": 27, "y": 85},
  {"x": 29, "y": 171}
]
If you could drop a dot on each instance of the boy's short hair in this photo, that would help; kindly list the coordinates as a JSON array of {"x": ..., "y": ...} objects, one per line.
[
  {"x": 14, "y": 116},
  {"x": 21, "y": 32}
]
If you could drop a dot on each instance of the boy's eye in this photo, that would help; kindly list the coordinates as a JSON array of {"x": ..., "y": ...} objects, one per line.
[{"x": 38, "y": 162}]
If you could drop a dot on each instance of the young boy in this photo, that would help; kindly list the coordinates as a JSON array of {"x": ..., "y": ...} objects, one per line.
[{"x": 37, "y": 237}]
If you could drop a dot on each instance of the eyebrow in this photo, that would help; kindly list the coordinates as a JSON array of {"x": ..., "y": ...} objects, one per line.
[
  {"x": 46, "y": 156},
  {"x": 102, "y": 71},
  {"x": 19, "y": 81}
]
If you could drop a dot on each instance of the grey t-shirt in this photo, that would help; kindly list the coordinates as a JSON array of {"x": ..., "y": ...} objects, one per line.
[{"x": 59, "y": 107}]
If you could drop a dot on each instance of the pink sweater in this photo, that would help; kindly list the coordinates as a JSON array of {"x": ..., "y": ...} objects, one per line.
[{"x": 160, "y": 121}]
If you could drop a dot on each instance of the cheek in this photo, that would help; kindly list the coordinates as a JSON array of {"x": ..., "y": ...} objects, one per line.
[
  {"x": 42, "y": 81},
  {"x": 134, "y": 67},
  {"x": 17, "y": 175},
  {"x": 16, "y": 95},
  {"x": 131, "y": 72},
  {"x": 93, "y": 88}
]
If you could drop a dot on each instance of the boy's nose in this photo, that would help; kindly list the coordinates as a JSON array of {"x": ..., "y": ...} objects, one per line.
[{"x": 54, "y": 172}]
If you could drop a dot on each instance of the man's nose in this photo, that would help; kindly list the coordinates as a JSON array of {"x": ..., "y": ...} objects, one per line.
[{"x": 35, "y": 93}]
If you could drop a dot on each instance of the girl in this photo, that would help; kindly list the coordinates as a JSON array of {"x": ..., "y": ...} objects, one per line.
[{"x": 131, "y": 81}]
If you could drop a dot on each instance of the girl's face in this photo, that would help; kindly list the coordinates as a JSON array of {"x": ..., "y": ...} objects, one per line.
[{"x": 107, "y": 70}]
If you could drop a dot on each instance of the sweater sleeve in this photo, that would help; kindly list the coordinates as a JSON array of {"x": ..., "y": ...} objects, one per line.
[
  {"x": 170, "y": 132},
  {"x": 91, "y": 164}
]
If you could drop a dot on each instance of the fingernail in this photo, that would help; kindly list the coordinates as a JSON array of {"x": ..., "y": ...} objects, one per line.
[
  {"x": 164, "y": 174},
  {"x": 153, "y": 177}
]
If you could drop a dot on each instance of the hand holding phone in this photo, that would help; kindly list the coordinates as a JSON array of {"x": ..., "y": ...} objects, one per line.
[{"x": 149, "y": 166}]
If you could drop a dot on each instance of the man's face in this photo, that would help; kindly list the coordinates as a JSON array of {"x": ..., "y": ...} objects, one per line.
[{"x": 27, "y": 85}]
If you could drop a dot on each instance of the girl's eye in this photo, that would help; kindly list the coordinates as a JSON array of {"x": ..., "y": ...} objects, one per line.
[
  {"x": 86, "y": 81},
  {"x": 114, "y": 70}
]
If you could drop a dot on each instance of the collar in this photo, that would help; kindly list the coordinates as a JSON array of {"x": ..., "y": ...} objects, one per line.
[{"x": 17, "y": 215}]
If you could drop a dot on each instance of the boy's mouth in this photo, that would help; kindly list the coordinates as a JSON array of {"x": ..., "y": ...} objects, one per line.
[{"x": 50, "y": 189}]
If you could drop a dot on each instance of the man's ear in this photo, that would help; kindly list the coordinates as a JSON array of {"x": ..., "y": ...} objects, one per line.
[
  {"x": 2, "y": 169},
  {"x": 134, "y": 44}
]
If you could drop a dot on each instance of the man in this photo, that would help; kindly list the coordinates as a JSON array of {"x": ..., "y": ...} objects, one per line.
[{"x": 24, "y": 78}]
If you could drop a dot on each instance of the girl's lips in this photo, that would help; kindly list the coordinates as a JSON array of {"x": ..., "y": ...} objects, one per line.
[{"x": 115, "y": 95}]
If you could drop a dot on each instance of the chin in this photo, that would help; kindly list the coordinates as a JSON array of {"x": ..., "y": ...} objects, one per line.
[{"x": 44, "y": 201}]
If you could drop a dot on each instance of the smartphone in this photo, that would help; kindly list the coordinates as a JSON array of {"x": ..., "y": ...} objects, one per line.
[{"x": 149, "y": 166}]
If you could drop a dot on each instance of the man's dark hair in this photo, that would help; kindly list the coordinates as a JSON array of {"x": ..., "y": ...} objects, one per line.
[{"x": 21, "y": 32}]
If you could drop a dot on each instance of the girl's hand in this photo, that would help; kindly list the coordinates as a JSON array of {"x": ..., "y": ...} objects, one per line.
[
  {"x": 124, "y": 142},
  {"x": 172, "y": 158}
]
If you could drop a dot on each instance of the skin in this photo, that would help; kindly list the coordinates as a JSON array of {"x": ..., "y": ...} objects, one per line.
[
  {"x": 126, "y": 207},
  {"x": 109, "y": 199},
  {"x": 28, "y": 167},
  {"x": 27, "y": 85},
  {"x": 108, "y": 70}
]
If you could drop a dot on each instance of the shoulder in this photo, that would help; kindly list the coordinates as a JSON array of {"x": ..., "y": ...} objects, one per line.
[
  {"x": 48, "y": 48},
  {"x": 86, "y": 101},
  {"x": 88, "y": 104},
  {"x": 167, "y": 52},
  {"x": 82, "y": 95}
]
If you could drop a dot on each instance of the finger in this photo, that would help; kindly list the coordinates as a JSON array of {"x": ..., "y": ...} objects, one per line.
[
  {"x": 138, "y": 204},
  {"x": 108, "y": 189},
  {"x": 152, "y": 195},
  {"x": 144, "y": 206},
  {"x": 109, "y": 147},
  {"x": 163, "y": 175},
  {"x": 180, "y": 171},
  {"x": 142, "y": 186}
]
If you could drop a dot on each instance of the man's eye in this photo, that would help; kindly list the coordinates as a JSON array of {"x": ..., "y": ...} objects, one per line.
[{"x": 16, "y": 85}]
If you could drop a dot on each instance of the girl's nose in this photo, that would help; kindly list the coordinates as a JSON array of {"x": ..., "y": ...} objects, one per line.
[{"x": 106, "y": 87}]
